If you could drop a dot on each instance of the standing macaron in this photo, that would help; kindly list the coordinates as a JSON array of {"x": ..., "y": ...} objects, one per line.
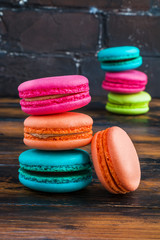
[
  {"x": 122, "y": 58},
  {"x": 131, "y": 81},
  {"x": 58, "y": 132},
  {"x": 55, "y": 171},
  {"x": 116, "y": 161},
  {"x": 54, "y": 94}
]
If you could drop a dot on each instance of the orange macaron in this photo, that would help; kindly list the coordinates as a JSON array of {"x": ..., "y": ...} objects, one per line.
[
  {"x": 116, "y": 161},
  {"x": 63, "y": 131}
]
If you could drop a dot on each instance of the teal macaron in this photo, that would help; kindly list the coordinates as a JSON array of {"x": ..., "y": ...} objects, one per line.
[
  {"x": 128, "y": 104},
  {"x": 55, "y": 171},
  {"x": 116, "y": 59}
]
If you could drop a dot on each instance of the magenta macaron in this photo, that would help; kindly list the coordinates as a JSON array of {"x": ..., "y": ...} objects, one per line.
[
  {"x": 131, "y": 81},
  {"x": 54, "y": 94}
]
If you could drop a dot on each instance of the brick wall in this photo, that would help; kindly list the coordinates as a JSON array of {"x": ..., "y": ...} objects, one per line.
[{"x": 40, "y": 38}]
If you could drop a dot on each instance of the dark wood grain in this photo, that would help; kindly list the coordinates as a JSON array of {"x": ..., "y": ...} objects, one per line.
[{"x": 91, "y": 213}]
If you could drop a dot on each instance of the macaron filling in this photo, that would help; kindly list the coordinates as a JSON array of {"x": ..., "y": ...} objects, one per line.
[
  {"x": 54, "y": 135},
  {"x": 129, "y": 106},
  {"x": 53, "y": 100},
  {"x": 121, "y": 61},
  {"x": 50, "y": 97},
  {"x": 57, "y": 134},
  {"x": 128, "y": 82},
  {"x": 46, "y": 97},
  {"x": 111, "y": 84},
  {"x": 57, "y": 168}
]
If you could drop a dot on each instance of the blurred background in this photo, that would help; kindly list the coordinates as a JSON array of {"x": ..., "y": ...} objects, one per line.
[{"x": 42, "y": 38}]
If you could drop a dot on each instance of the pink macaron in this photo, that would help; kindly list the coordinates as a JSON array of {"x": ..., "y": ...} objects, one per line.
[
  {"x": 131, "y": 81},
  {"x": 54, "y": 94}
]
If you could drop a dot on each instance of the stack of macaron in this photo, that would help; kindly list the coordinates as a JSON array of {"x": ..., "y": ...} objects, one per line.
[
  {"x": 125, "y": 85},
  {"x": 54, "y": 163}
]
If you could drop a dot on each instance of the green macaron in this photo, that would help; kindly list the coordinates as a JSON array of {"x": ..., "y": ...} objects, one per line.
[{"x": 128, "y": 104}]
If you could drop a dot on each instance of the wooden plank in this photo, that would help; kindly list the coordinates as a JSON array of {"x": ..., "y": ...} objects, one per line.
[
  {"x": 147, "y": 195},
  {"x": 92, "y": 213},
  {"x": 68, "y": 222}
]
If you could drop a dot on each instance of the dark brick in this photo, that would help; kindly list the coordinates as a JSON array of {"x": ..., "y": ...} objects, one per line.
[
  {"x": 156, "y": 5},
  {"x": 3, "y": 29},
  {"x": 151, "y": 68},
  {"x": 72, "y": 3},
  {"x": 17, "y": 69},
  {"x": 8, "y": 1},
  {"x": 91, "y": 69},
  {"x": 136, "y": 5},
  {"x": 140, "y": 31},
  {"x": 38, "y": 31},
  {"x": 102, "y": 4},
  {"x": 67, "y": 3}
]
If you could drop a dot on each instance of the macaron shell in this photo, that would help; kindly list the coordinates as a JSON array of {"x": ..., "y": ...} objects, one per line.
[
  {"x": 52, "y": 85},
  {"x": 55, "y": 184},
  {"x": 63, "y": 120},
  {"x": 120, "y": 99},
  {"x": 56, "y": 188},
  {"x": 118, "y": 53},
  {"x": 124, "y": 158},
  {"x": 127, "y": 110},
  {"x": 55, "y": 161},
  {"x": 57, "y": 145},
  {"x": 133, "y": 76}
]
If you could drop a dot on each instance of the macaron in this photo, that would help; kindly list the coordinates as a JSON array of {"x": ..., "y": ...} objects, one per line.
[
  {"x": 54, "y": 94},
  {"x": 116, "y": 59},
  {"x": 131, "y": 81},
  {"x": 116, "y": 161},
  {"x": 128, "y": 104},
  {"x": 55, "y": 171},
  {"x": 61, "y": 131}
]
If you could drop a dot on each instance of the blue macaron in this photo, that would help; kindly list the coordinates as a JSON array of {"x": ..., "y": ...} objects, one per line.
[
  {"x": 55, "y": 171},
  {"x": 116, "y": 59}
]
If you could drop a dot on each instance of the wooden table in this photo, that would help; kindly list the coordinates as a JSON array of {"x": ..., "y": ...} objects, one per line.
[{"x": 92, "y": 213}]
